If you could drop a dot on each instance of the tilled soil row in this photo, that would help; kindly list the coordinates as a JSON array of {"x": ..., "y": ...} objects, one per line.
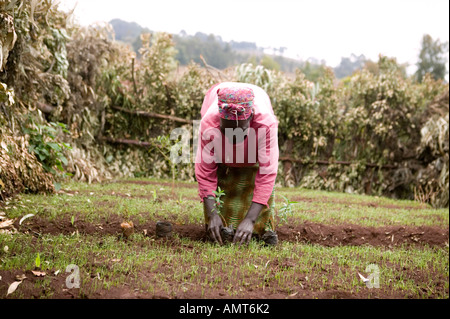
[{"x": 307, "y": 232}]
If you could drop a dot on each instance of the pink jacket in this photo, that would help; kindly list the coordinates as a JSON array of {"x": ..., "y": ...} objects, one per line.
[{"x": 260, "y": 146}]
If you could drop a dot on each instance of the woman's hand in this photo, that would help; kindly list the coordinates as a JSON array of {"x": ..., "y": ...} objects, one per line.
[
  {"x": 245, "y": 228},
  {"x": 214, "y": 226},
  {"x": 244, "y": 231},
  {"x": 215, "y": 222}
]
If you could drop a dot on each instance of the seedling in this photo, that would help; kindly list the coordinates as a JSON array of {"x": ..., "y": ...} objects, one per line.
[
  {"x": 218, "y": 202},
  {"x": 286, "y": 210},
  {"x": 72, "y": 220},
  {"x": 37, "y": 261}
]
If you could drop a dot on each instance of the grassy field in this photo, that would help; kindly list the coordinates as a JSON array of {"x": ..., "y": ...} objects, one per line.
[{"x": 327, "y": 241}]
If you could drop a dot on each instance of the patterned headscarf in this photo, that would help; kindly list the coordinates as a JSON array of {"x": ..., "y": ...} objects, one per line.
[{"x": 235, "y": 103}]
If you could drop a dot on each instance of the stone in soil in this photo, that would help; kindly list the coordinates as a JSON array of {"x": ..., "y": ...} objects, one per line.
[
  {"x": 127, "y": 228},
  {"x": 270, "y": 238},
  {"x": 163, "y": 229}
]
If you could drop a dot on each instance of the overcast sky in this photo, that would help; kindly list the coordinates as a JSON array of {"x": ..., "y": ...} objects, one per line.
[{"x": 322, "y": 29}]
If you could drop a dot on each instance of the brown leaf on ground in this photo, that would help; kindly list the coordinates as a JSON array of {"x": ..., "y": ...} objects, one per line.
[
  {"x": 38, "y": 273},
  {"x": 7, "y": 223},
  {"x": 21, "y": 277},
  {"x": 13, "y": 287}
]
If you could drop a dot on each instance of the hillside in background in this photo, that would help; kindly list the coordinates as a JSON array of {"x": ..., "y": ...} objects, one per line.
[
  {"x": 222, "y": 54},
  {"x": 216, "y": 52},
  {"x": 128, "y": 32}
]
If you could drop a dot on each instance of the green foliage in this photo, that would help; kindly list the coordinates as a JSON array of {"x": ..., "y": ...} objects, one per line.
[
  {"x": 286, "y": 210},
  {"x": 43, "y": 144},
  {"x": 313, "y": 72},
  {"x": 371, "y": 118},
  {"x": 157, "y": 62},
  {"x": 147, "y": 88},
  {"x": 40, "y": 30},
  {"x": 270, "y": 63},
  {"x": 307, "y": 112},
  {"x": 432, "y": 58},
  {"x": 189, "y": 91},
  {"x": 56, "y": 43},
  {"x": 217, "y": 200},
  {"x": 257, "y": 75}
]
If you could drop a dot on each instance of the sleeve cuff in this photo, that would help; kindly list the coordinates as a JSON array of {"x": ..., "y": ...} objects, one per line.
[{"x": 259, "y": 201}]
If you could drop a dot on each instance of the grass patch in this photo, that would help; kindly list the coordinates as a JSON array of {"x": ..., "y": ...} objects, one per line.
[
  {"x": 150, "y": 265},
  {"x": 182, "y": 267}
]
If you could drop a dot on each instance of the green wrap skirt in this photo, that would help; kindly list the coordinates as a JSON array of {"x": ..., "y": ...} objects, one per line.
[{"x": 238, "y": 184}]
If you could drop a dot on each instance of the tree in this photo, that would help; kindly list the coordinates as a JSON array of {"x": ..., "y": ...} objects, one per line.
[
  {"x": 270, "y": 63},
  {"x": 386, "y": 63},
  {"x": 432, "y": 58},
  {"x": 313, "y": 71}
]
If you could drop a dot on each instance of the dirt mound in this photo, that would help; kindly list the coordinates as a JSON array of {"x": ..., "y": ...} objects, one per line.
[
  {"x": 356, "y": 235},
  {"x": 326, "y": 235}
]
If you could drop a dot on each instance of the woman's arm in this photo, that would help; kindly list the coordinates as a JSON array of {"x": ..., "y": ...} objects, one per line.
[{"x": 215, "y": 222}]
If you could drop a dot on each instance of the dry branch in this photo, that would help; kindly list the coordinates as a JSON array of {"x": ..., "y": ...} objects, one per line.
[
  {"x": 126, "y": 141},
  {"x": 207, "y": 67},
  {"x": 45, "y": 108},
  {"x": 322, "y": 162},
  {"x": 133, "y": 78},
  {"x": 154, "y": 115}
]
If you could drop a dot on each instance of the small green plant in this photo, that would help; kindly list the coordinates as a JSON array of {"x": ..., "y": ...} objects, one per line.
[
  {"x": 37, "y": 261},
  {"x": 155, "y": 197},
  {"x": 72, "y": 220},
  {"x": 218, "y": 202},
  {"x": 286, "y": 209},
  {"x": 180, "y": 199}
]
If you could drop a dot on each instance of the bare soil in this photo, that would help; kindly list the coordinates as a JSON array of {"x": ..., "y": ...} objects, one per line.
[{"x": 308, "y": 232}]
